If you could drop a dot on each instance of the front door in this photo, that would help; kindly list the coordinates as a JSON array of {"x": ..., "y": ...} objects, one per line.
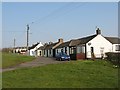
[{"x": 53, "y": 52}]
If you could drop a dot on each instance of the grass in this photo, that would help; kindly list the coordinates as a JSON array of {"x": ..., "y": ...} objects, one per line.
[
  {"x": 10, "y": 59},
  {"x": 73, "y": 74}
]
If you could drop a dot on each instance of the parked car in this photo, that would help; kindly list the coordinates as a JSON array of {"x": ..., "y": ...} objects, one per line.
[{"x": 62, "y": 56}]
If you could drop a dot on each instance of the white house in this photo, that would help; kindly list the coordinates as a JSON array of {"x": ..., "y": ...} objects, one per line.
[
  {"x": 21, "y": 50},
  {"x": 33, "y": 49}
]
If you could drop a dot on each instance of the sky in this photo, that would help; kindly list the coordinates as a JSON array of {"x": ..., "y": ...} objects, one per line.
[{"x": 50, "y": 21}]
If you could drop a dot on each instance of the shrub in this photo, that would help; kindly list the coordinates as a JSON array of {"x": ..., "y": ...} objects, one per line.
[{"x": 113, "y": 57}]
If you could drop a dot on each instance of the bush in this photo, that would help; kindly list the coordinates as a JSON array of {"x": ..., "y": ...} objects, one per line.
[{"x": 113, "y": 57}]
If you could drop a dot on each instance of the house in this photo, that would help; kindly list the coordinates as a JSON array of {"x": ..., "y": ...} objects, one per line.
[
  {"x": 33, "y": 49},
  {"x": 115, "y": 41},
  {"x": 93, "y": 46},
  {"x": 63, "y": 47},
  {"x": 50, "y": 49},
  {"x": 21, "y": 50},
  {"x": 39, "y": 51}
]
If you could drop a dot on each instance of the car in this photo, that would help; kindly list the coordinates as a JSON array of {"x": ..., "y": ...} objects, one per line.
[{"x": 62, "y": 56}]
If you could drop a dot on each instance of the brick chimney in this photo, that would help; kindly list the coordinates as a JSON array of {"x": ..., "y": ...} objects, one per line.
[
  {"x": 98, "y": 31},
  {"x": 60, "y": 40}
]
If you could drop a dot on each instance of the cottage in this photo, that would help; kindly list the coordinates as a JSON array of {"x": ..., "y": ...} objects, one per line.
[
  {"x": 40, "y": 51},
  {"x": 115, "y": 41},
  {"x": 21, "y": 50},
  {"x": 33, "y": 49},
  {"x": 94, "y": 46},
  {"x": 50, "y": 49},
  {"x": 63, "y": 47}
]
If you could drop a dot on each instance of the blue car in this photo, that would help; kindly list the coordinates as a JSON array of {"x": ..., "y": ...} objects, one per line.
[{"x": 62, "y": 57}]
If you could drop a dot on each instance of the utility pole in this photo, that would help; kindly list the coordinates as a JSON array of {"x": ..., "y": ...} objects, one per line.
[
  {"x": 14, "y": 45},
  {"x": 27, "y": 37}
]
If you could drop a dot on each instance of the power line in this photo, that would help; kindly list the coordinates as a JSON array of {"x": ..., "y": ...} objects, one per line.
[{"x": 57, "y": 11}]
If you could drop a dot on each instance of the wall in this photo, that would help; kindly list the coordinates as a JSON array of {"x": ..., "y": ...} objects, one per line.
[
  {"x": 99, "y": 43},
  {"x": 59, "y": 50},
  {"x": 80, "y": 52}
]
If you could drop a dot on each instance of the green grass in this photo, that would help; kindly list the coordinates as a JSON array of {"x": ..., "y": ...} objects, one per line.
[
  {"x": 73, "y": 74},
  {"x": 10, "y": 59}
]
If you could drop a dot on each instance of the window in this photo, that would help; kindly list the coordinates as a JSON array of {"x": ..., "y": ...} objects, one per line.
[
  {"x": 73, "y": 50},
  {"x": 117, "y": 48},
  {"x": 80, "y": 49}
]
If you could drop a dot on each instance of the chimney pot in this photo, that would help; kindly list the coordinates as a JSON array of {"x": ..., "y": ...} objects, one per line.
[{"x": 98, "y": 31}]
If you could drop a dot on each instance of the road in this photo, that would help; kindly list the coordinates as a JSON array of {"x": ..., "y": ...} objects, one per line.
[{"x": 39, "y": 61}]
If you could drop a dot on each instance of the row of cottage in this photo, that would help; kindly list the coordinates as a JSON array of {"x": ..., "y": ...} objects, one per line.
[{"x": 83, "y": 48}]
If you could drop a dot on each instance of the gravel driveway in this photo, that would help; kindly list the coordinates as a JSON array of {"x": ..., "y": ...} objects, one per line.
[{"x": 40, "y": 61}]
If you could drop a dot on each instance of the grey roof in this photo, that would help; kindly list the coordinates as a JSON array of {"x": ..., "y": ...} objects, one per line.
[
  {"x": 49, "y": 46},
  {"x": 64, "y": 44},
  {"x": 83, "y": 40},
  {"x": 113, "y": 40},
  {"x": 74, "y": 42}
]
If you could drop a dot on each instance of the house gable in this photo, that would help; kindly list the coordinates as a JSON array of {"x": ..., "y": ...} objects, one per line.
[{"x": 100, "y": 45}]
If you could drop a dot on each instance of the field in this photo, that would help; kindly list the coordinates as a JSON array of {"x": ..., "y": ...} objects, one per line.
[
  {"x": 10, "y": 59},
  {"x": 73, "y": 74}
]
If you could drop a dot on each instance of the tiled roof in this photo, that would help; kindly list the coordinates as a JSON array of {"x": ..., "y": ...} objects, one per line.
[{"x": 113, "y": 40}]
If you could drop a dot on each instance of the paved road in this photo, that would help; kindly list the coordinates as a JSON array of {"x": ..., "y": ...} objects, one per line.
[{"x": 40, "y": 61}]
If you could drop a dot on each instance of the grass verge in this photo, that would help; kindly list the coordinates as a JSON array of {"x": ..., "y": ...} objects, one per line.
[
  {"x": 73, "y": 74},
  {"x": 10, "y": 59}
]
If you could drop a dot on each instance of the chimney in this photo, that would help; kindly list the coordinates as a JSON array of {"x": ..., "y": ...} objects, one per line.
[
  {"x": 98, "y": 31},
  {"x": 50, "y": 42},
  {"x": 60, "y": 40}
]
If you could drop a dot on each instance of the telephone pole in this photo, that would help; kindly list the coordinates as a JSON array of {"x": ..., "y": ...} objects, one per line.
[
  {"x": 27, "y": 37},
  {"x": 14, "y": 45}
]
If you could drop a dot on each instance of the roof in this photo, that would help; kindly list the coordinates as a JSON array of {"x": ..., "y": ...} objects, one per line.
[
  {"x": 74, "y": 42},
  {"x": 113, "y": 40},
  {"x": 33, "y": 46},
  {"x": 64, "y": 44},
  {"x": 49, "y": 46},
  {"x": 83, "y": 40}
]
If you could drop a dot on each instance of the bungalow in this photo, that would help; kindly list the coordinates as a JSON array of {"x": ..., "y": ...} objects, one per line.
[
  {"x": 63, "y": 47},
  {"x": 40, "y": 51},
  {"x": 21, "y": 50},
  {"x": 49, "y": 50},
  {"x": 94, "y": 46},
  {"x": 115, "y": 41},
  {"x": 33, "y": 49}
]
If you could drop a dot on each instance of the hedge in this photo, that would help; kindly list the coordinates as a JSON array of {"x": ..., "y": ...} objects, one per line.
[{"x": 113, "y": 57}]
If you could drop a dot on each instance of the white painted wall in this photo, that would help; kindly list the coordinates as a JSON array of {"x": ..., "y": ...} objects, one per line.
[
  {"x": 38, "y": 52},
  {"x": 33, "y": 51},
  {"x": 98, "y": 43}
]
